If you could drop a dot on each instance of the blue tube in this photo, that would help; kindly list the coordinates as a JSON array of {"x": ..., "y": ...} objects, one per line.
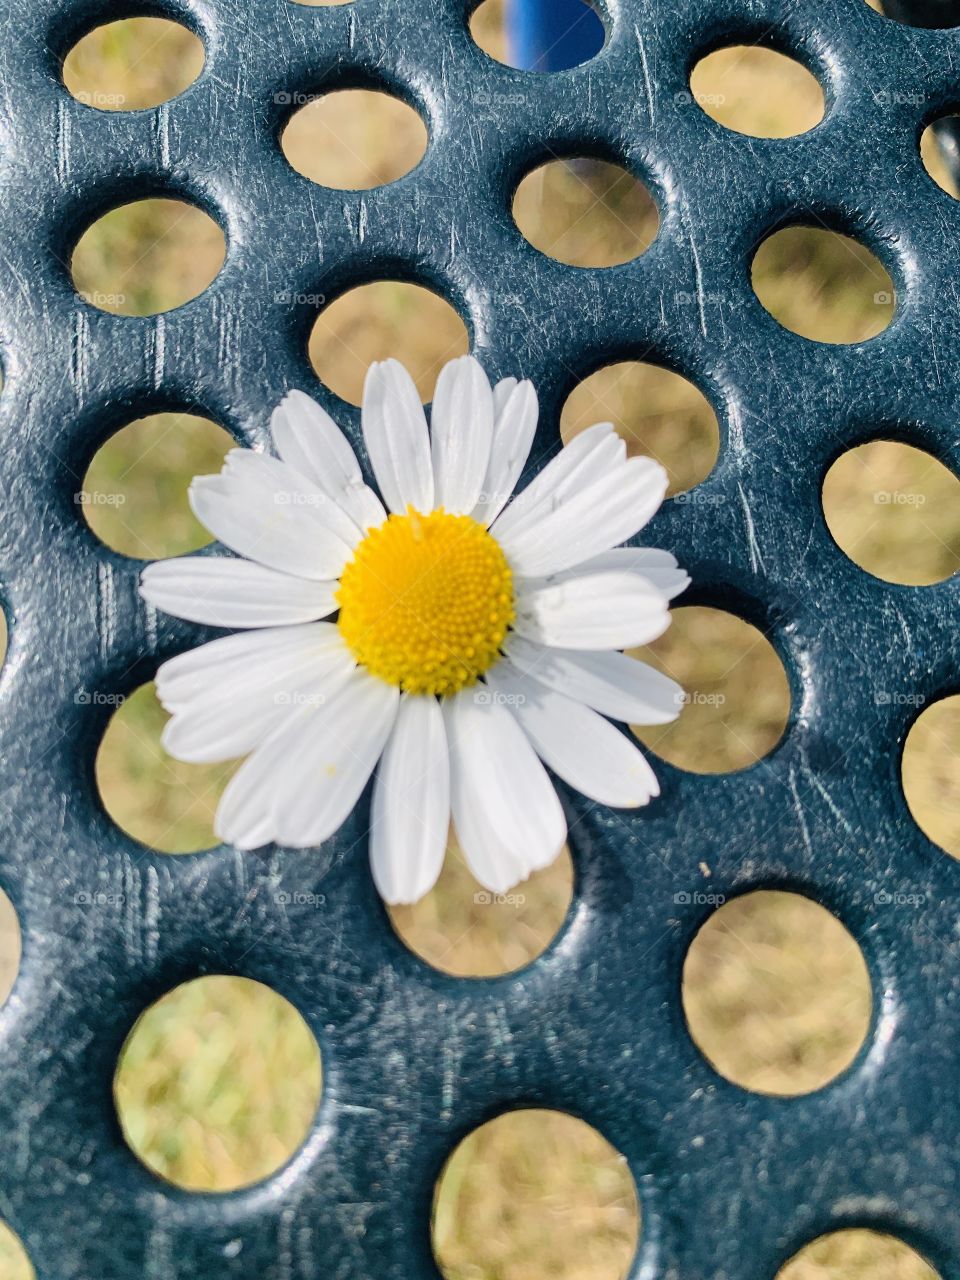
[{"x": 552, "y": 35}]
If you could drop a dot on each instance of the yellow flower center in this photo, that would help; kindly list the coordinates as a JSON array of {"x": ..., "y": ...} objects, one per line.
[{"x": 426, "y": 601}]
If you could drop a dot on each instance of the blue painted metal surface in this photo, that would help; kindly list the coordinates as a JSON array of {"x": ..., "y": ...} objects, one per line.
[
  {"x": 553, "y": 35},
  {"x": 731, "y": 1183}
]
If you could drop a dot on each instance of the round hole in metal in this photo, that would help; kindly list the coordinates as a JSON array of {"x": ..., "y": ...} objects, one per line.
[
  {"x": 776, "y": 993},
  {"x": 586, "y": 212},
  {"x": 939, "y": 150},
  {"x": 133, "y": 64},
  {"x": 14, "y": 1262},
  {"x": 160, "y": 801},
  {"x": 218, "y": 1084},
  {"x": 537, "y": 1194},
  {"x": 823, "y": 285},
  {"x": 388, "y": 318},
  {"x": 937, "y": 15},
  {"x": 931, "y": 771},
  {"x": 736, "y": 693},
  {"x": 134, "y": 495},
  {"x": 578, "y": 39},
  {"x": 148, "y": 257},
  {"x": 10, "y": 952},
  {"x": 354, "y": 139},
  {"x": 895, "y": 511},
  {"x": 462, "y": 929},
  {"x": 857, "y": 1253},
  {"x": 757, "y": 91},
  {"x": 657, "y": 412}
]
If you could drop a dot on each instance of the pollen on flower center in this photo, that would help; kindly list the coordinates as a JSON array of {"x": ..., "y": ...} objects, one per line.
[{"x": 426, "y": 601}]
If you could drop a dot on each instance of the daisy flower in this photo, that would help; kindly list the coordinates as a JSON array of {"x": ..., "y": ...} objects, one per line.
[{"x": 476, "y": 639}]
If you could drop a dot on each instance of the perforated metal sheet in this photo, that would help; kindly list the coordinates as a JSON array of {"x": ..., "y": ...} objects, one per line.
[{"x": 730, "y": 1183}]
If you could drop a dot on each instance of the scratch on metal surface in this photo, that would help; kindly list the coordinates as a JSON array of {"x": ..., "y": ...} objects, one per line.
[
  {"x": 106, "y": 609},
  {"x": 735, "y": 433},
  {"x": 150, "y": 627},
  {"x": 228, "y": 334},
  {"x": 158, "y": 1254},
  {"x": 78, "y": 356},
  {"x": 756, "y": 556},
  {"x": 163, "y": 136},
  {"x": 698, "y": 275},
  {"x": 647, "y": 82},
  {"x": 23, "y": 288},
  {"x": 448, "y": 1092},
  {"x": 317, "y": 226},
  {"x": 501, "y": 1035},
  {"x": 936, "y": 362},
  {"x": 284, "y": 1250},
  {"x": 151, "y": 916},
  {"x": 827, "y": 798},
  {"x": 159, "y": 351},
  {"x": 63, "y": 141},
  {"x": 133, "y": 921},
  {"x": 798, "y": 806}
]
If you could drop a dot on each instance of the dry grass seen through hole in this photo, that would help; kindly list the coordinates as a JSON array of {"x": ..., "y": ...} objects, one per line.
[
  {"x": 135, "y": 490},
  {"x": 776, "y": 993},
  {"x": 148, "y": 257},
  {"x": 386, "y": 319},
  {"x": 337, "y": 139},
  {"x": 133, "y": 64},
  {"x": 658, "y": 413},
  {"x": 857, "y": 1254},
  {"x": 732, "y": 86},
  {"x": 738, "y": 697},
  {"x": 202, "y": 1104},
  {"x": 586, "y": 212},
  {"x": 895, "y": 511},
  {"x": 572, "y": 1210},
  {"x": 162, "y": 802},
  {"x": 466, "y": 931},
  {"x": 823, "y": 286}
]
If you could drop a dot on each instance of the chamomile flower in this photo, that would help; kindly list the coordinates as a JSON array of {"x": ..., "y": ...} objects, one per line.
[{"x": 439, "y": 634}]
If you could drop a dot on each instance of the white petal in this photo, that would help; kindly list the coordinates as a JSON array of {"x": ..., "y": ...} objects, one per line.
[
  {"x": 332, "y": 751},
  {"x": 596, "y": 450},
  {"x": 508, "y": 819},
  {"x": 204, "y": 671},
  {"x": 269, "y": 482},
  {"x": 395, "y": 433},
  {"x": 607, "y": 512},
  {"x": 251, "y": 511},
  {"x": 513, "y": 433},
  {"x": 309, "y": 440},
  {"x": 411, "y": 803},
  {"x": 501, "y": 395},
  {"x": 601, "y": 611},
  {"x": 582, "y": 748},
  {"x": 244, "y": 818},
  {"x": 221, "y": 592},
  {"x": 610, "y": 682},
  {"x": 301, "y": 783},
  {"x": 246, "y": 710},
  {"x": 658, "y": 567},
  {"x": 461, "y": 427}
]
